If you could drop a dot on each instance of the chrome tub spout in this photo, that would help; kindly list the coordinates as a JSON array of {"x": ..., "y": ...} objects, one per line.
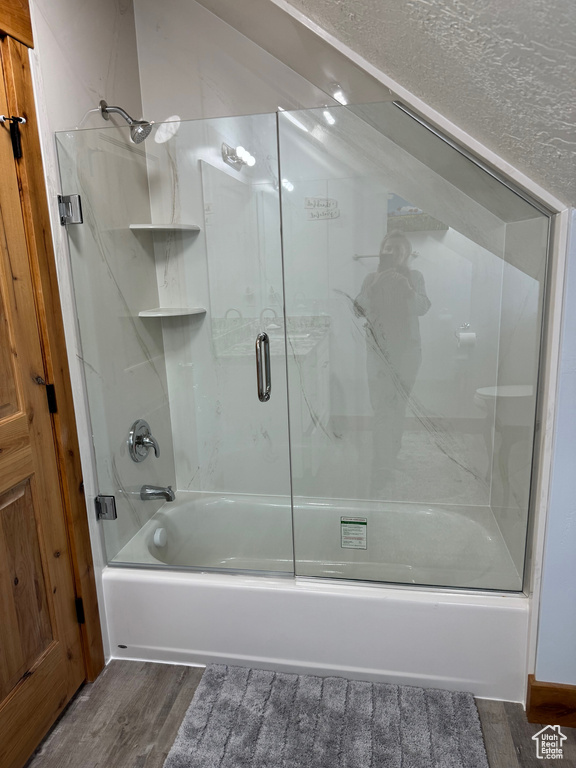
[{"x": 157, "y": 492}]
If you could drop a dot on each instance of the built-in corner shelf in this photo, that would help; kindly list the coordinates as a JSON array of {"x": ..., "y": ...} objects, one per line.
[
  {"x": 165, "y": 227},
  {"x": 169, "y": 311},
  {"x": 172, "y": 312}
]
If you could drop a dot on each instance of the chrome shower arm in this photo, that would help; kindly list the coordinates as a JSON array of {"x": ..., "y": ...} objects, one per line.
[
  {"x": 106, "y": 111},
  {"x": 139, "y": 129}
]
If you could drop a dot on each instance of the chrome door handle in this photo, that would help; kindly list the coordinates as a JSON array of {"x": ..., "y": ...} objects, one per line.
[{"x": 263, "y": 367}]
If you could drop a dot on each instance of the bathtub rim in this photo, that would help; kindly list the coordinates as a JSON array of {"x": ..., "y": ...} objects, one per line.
[{"x": 288, "y": 577}]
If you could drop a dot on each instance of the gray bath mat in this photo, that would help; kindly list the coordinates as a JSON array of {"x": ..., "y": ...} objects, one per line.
[{"x": 248, "y": 718}]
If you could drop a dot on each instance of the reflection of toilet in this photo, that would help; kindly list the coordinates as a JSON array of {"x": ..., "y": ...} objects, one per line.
[
  {"x": 513, "y": 403},
  {"x": 510, "y": 409}
]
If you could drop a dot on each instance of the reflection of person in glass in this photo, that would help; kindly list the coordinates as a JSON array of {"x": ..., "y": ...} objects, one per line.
[{"x": 391, "y": 300}]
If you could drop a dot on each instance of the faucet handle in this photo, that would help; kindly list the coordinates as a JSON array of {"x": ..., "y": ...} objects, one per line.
[
  {"x": 150, "y": 442},
  {"x": 140, "y": 441}
]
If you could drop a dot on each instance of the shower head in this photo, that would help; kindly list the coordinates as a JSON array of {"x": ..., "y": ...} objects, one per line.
[{"x": 139, "y": 129}]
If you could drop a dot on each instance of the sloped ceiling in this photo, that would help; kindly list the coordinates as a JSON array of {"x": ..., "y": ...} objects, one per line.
[{"x": 505, "y": 72}]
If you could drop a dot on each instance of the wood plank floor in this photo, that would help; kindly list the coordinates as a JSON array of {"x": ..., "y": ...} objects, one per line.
[{"x": 130, "y": 716}]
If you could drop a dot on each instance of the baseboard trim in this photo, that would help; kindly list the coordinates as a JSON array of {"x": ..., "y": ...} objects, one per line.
[{"x": 551, "y": 703}]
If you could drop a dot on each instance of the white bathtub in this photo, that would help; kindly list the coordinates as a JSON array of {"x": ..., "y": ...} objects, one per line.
[
  {"x": 474, "y": 641},
  {"x": 408, "y": 543}
]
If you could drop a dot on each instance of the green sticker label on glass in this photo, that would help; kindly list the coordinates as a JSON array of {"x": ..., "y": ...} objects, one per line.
[{"x": 353, "y": 532}]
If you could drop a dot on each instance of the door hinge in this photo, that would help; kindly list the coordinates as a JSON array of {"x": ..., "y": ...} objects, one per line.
[
  {"x": 70, "y": 209},
  {"x": 80, "y": 610},
  {"x": 51, "y": 397},
  {"x": 15, "y": 123},
  {"x": 105, "y": 507}
]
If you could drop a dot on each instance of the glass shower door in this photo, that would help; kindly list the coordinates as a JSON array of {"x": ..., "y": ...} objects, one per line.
[
  {"x": 414, "y": 289},
  {"x": 177, "y": 273}
]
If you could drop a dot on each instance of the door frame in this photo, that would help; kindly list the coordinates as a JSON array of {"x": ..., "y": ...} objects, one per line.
[{"x": 15, "y": 40}]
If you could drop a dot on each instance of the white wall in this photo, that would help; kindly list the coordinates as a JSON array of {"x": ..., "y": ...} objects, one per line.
[
  {"x": 210, "y": 69},
  {"x": 556, "y": 660},
  {"x": 83, "y": 53}
]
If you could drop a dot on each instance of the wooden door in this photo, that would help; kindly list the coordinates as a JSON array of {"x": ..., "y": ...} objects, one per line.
[{"x": 41, "y": 660}]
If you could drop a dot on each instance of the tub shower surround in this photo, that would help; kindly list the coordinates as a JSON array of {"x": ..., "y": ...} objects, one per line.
[{"x": 281, "y": 514}]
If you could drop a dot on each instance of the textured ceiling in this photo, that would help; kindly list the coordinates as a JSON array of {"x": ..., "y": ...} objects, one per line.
[{"x": 502, "y": 70}]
